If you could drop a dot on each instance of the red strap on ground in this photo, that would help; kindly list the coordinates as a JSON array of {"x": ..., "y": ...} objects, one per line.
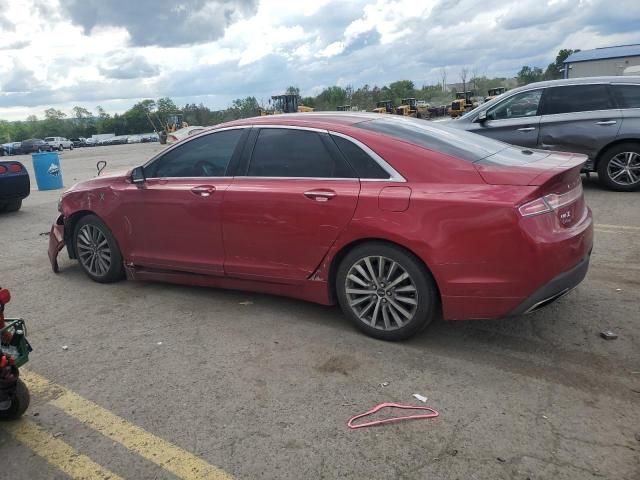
[{"x": 377, "y": 408}]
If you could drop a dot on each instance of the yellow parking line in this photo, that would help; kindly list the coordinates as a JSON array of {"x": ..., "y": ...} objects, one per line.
[
  {"x": 58, "y": 453},
  {"x": 616, "y": 227},
  {"x": 164, "y": 454}
]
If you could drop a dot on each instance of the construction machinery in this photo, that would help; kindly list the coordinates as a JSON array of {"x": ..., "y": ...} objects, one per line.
[
  {"x": 410, "y": 107},
  {"x": 167, "y": 125},
  {"x": 287, "y": 103},
  {"x": 384, "y": 106},
  {"x": 344, "y": 108},
  {"x": 494, "y": 92},
  {"x": 461, "y": 104}
]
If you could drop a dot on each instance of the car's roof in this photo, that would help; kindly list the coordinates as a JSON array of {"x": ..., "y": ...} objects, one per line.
[
  {"x": 579, "y": 81},
  {"x": 309, "y": 119}
]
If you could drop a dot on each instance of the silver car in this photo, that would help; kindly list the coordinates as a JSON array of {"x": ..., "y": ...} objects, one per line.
[{"x": 597, "y": 116}]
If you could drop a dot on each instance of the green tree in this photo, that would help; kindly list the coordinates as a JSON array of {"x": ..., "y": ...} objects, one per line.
[
  {"x": 529, "y": 75},
  {"x": 555, "y": 69},
  {"x": 292, "y": 91}
]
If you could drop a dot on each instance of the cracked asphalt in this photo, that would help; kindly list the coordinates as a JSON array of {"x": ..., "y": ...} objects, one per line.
[{"x": 261, "y": 387}]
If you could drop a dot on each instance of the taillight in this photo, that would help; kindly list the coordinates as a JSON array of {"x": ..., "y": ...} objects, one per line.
[
  {"x": 5, "y": 296},
  {"x": 550, "y": 202},
  {"x": 3, "y": 169},
  {"x": 15, "y": 168}
]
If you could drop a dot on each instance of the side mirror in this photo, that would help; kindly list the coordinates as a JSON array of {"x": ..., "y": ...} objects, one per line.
[
  {"x": 482, "y": 116},
  {"x": 137, "y": 175}
]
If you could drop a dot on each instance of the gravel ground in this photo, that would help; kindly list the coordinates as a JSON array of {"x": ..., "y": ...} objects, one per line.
[{"x": 262, "y": 386}]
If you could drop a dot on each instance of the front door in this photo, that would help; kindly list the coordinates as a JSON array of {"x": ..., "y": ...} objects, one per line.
[
  {"x": 282, "y": 217},
  {"x": 515, "y": 120},
  {"x": 173, "y": 220}
]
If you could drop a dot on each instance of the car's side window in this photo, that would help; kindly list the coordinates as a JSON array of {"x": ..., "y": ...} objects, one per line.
[
  {"x": 281, "y": 152},
  {"x": 363, "y": 164},
  {"x": 206, "y": 156},
  {"x": 576, "y": 98},
  {"x": 627, "y": 96},
  {"x": 525, "y": 104}
]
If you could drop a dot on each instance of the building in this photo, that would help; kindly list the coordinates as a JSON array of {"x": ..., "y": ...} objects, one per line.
[{"x": 619, "y": 60}]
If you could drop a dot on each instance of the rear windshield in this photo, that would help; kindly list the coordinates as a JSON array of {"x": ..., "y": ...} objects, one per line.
[
  {"x": 435, "y": 136},
  {"x": 49, "y": 139}
]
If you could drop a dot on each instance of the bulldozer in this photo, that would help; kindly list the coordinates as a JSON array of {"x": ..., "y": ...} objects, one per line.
[
  {"x": 461, "y": 104},
  {"x": 411, "y": 107},
  {"x": 288, "y": 103},
  {"x": 384, "y": 106},
  {"x": 170, "y": 123},
  {"x": 494, "y": 92}
]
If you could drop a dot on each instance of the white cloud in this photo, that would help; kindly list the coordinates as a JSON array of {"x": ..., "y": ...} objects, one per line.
[{"x": 96, "y": 54}]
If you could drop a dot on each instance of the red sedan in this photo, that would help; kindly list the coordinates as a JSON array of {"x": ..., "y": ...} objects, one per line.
[{"x": 390, "y": 217}]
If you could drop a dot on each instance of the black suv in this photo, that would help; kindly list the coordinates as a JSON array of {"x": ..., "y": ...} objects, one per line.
[{"x": 34, "y": 145}]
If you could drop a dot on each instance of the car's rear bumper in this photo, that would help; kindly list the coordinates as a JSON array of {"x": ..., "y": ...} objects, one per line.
[
  {"x": 15, "y": 186},
  {"x": 554, "y": 289}
]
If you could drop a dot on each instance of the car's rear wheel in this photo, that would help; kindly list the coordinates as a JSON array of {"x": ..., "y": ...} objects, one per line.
[
  {"x": 11, "y": 206},
  {"x": 619, "y": 167},
  {"x": 386, "y": 291},
  {"x": 97, "y": 250}
]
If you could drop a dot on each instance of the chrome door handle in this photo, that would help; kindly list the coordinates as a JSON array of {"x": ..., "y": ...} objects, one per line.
[
  {"x": 607, "y": 122},
  {"x": 204, "y": 190},
  {"x": 320, "y": 195},
  {"x": 526, "y": 129}
]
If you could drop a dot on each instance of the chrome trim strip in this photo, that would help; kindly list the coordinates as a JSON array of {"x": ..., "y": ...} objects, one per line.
[{"x": 394, "y": 176}]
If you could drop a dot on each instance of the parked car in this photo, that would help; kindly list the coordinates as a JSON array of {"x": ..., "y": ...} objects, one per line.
[
  {"x": 597, "y": 116},
  {"x": 389, "y": 216},
  {"x": 59, "y": 143},
  {"x": 78, "y": 142},
  {"x": 183, "y": 133},
  {"x": 14, "y": 185},
  {"x": 34, "y": 145}
]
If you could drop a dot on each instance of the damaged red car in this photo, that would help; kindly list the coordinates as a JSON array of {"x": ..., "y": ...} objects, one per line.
[{"x": 393, "y": 218}]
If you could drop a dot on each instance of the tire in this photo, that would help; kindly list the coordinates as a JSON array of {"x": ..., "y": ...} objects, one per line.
[
  {"x": 60, "y": 148},
  {"x": 19, "y": 403},
  {"x": 97, "y": 250},
  {"x": 70, "y": 147},
  {"x": 11, "y": 206},
  {"x": 394, "y": 319},
  {"x": 619, "y": 166}
]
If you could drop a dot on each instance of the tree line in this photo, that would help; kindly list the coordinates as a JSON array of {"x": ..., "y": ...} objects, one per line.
[{"x": 82, "y": 122}]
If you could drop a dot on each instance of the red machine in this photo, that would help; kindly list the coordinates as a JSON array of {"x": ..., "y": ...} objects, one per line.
[{"x": 14, "y": 352}]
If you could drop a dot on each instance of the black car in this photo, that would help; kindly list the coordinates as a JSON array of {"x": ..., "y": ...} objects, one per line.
[
  {"x": 34, "y": 145},
  {"x": 14, "y": 186},
  {"x": 78, "y": 142}
]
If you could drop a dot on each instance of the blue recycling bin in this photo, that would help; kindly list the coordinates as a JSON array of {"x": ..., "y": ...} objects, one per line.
[{"x": 46, "y": 166}]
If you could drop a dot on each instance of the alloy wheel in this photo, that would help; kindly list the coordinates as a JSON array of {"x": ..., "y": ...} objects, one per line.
[
  {"x": 624, "y": 168},
  {"x": 381, "y": 293},
  {"x": 93, "y": 250}
]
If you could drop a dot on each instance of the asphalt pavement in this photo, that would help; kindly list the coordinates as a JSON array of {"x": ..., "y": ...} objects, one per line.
[{"x": 169, "y": 381}]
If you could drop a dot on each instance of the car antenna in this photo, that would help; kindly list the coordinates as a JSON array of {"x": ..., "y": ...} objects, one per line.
[{"x": 101, "y": 165}]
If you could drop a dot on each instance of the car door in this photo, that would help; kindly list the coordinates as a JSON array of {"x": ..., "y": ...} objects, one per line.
[
  {"x": 578, "y": 118},
  {"x": 281, "y": 218},
  {"x": 515, "y": 120},
  {"x": 173, "y": 219}
]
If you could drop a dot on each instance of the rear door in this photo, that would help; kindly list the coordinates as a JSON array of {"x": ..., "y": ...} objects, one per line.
[
  {"x": 514, "y": 120},
  {"x": 578, "y": 118},
  {"x": 628, "y": 99},
  {"x": 283, "y": 215}
]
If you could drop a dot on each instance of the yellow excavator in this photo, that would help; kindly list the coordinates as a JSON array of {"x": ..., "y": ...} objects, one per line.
[
  {"x": 384, "y": 106},
  {"x": 461, "y": 104},
  {"x": 411, "y": 107},
  {"x": 288, "y": 103},
  {"x": 494, "y": 92},
  {"x": 170, "y": 124}
]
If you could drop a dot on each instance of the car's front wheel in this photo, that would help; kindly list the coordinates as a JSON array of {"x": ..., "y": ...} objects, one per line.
[
  {"x": 97, "y": 250},
  {"x": 619, "y": 167},
  {"x": 19, "y": 403},
  {"x": 386, "y": 291}
]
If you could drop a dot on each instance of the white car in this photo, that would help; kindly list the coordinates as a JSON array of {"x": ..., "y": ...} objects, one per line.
[
  {"x": 59, "y": 143},
  {"x": 178, "y": 135}
]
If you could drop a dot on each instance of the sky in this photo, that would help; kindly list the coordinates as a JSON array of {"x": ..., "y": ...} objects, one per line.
[{"x": 113, "y": 53}]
